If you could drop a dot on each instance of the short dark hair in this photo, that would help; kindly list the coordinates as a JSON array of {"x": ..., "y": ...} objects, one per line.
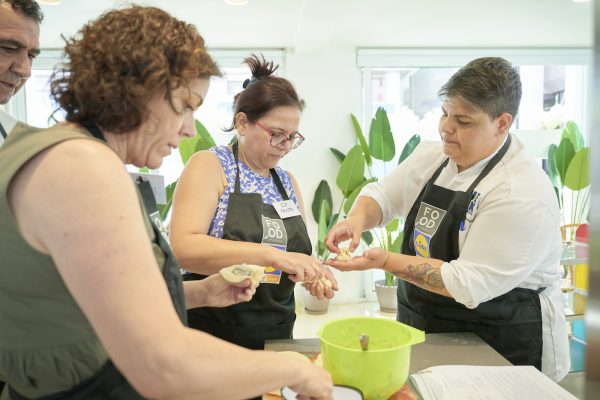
[
  {"x": 28, "y": 8},
  {"x": 489, "y": 84},
  {"x": 263, "y": 92},
  {"x": 112, "y": 84}
]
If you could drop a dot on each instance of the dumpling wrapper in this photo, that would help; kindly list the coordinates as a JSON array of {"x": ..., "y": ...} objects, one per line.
[
  {"x": 344, "y": 254},
  {"x": 326, "y": 283},
  {"x": 237, "y": 273}
]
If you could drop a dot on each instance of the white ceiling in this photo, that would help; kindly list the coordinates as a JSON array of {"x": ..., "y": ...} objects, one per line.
[{"x": 315, "y": 25}]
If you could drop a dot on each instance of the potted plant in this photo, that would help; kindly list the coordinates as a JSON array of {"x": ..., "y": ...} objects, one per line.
[
  {"x": 568, "y": 169},
  {"x": 351, "y": 178},
  {"x": 187, "y": 147}
]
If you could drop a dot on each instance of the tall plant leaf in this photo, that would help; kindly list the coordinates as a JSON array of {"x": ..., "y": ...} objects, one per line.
[
  {"x": 392, "y": 226},
  {"x": 337, "y": 154},
  {"x": 362, "y": 140},
  {"x": 396, "y": 246},
  {"x": 187, "y": 147},
  {"x": 409, "y": 147},
  {"x": 572, "y": 133},
  {"x": 367, "y": 237},
  {"x": 352, "y": 171},
  {"x": 564, "y": 154},
  {"x": 349, "y": 202},
  {"x": 551, "y": 165},
  {"x": 381, "y": 141},
  {"x": 201, "y": 141},
  {"x": 322, "y": 193},
  {"x": 324, "y": 216},
  {"x": 332, "y": 221},
  {"x": 163, "y": 209},
  {"x": 578, "y": 172},
  {"x": 206, "y": 141}
]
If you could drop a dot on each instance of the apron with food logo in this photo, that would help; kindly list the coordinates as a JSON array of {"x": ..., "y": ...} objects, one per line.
[
  {"x": 270, "y": 314},
  {"x": 510, "y": 323}
]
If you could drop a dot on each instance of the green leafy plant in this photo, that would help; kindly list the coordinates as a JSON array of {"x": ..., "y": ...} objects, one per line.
[
  {"x": 351, "y": 178},
  {"x": 568, "y": 169},
  {"x": 187, "y": 147}
]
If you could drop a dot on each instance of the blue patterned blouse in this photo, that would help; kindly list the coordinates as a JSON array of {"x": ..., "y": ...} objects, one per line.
[{"x": 250, "y": 182}]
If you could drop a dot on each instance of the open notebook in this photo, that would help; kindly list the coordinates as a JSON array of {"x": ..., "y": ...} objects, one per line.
[{"x": 467, "y": 382}]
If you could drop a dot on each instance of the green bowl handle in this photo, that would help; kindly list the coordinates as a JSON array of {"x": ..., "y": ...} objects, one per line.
[{"x": 416, "y": 335}]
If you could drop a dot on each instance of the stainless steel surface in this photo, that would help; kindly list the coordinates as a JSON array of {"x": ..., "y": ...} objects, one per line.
[
  {"x": 438, "y": 349},
  {"x": 592, "y": 318}
]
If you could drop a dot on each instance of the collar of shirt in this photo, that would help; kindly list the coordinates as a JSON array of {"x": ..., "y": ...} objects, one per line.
[
  {"x": 478, "y": 166},
  {"x": 8, "y": 122},
  {"x": 452, "y": 179}
]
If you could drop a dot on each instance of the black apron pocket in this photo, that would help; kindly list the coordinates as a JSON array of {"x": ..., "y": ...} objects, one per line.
[
  {"x": 249, "y": 336},
  {"x": 107, "y": 383}
]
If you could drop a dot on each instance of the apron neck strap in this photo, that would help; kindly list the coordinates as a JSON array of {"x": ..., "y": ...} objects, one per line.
[
  {"x": 3, "y": 132},
  {"x": 490, "y": 165},
  {"x": 274, "y": 175},
  {"x": 93, "y": 128}
]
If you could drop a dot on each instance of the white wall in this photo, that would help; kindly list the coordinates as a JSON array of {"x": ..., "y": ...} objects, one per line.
[
  {"x": 321, "y": 37},
  {"x": 329, "y": 82}
]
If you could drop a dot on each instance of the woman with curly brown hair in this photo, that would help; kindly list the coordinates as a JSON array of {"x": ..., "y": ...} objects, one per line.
[{"x": 92, "y": 305}]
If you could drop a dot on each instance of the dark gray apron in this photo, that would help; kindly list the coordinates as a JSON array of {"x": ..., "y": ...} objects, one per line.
[
  {"x": 4, "y": 135},
  {"x": 510, "y": 323},
  {"x": 270, "y": 314},
  {"x": 108, "y": 382}
]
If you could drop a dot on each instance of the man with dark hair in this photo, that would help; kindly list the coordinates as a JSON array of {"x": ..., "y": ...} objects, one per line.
[{"x": 19, "y": 45}]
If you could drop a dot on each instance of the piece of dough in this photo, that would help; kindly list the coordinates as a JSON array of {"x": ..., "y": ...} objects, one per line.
[
  {"x": 326, "y": 283},
  {"x": 344, "y": 254},
  {"x": 239, "y": 272}
]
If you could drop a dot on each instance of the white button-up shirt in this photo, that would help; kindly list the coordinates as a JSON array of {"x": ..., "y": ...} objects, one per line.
[{"x": 511, "y": 237}]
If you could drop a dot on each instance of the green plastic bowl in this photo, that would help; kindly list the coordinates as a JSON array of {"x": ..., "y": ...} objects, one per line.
[{"x": 378, "y": 372}]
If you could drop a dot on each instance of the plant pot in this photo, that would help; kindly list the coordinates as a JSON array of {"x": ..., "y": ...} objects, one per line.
[
  {"x": 386, "y": 296},
  {"x": 312, "y": 305}
]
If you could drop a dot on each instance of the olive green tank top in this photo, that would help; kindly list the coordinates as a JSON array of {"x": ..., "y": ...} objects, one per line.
[{"x": 46, "y": 343}]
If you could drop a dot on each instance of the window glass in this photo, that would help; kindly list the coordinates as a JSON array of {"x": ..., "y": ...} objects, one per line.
[{"x": 215, "y": 113}]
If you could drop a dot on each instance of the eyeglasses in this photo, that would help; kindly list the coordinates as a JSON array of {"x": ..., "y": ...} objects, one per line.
[{"x": 279, "y": 139}]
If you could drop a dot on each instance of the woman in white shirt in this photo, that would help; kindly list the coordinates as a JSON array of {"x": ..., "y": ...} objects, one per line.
[{"x": 482, "y": 243}]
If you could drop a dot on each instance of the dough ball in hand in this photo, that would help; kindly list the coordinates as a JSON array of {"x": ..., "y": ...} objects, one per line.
[
  {"x": 344, "y": 254},
  {"x": 239, "y": 272}
]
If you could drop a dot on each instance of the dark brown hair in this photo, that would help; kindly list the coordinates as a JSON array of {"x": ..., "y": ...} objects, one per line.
[
  {"x": 29, "y": 8},
  {"x": 123, "y": 58},
  {"x": 264, "y": 91},
  {"x": 489, "y": 84}
]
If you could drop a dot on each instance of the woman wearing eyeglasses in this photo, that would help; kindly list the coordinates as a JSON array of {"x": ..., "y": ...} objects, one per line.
[{"x": 233, "y": 204}]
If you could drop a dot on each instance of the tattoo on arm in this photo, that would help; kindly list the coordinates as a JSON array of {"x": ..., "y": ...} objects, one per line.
[{"x": 423, "y": 275}]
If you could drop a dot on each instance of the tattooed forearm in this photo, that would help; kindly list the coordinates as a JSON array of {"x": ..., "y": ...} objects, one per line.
[{"x": 423, "y": 275}]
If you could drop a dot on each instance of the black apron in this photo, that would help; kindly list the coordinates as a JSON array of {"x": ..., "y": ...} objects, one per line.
[
  {"x": 108, "y": 382},
  {"x": 510, "y": 323},
  {"x": 4, "y": 135},
  {"x": 270, "y": 314}
]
